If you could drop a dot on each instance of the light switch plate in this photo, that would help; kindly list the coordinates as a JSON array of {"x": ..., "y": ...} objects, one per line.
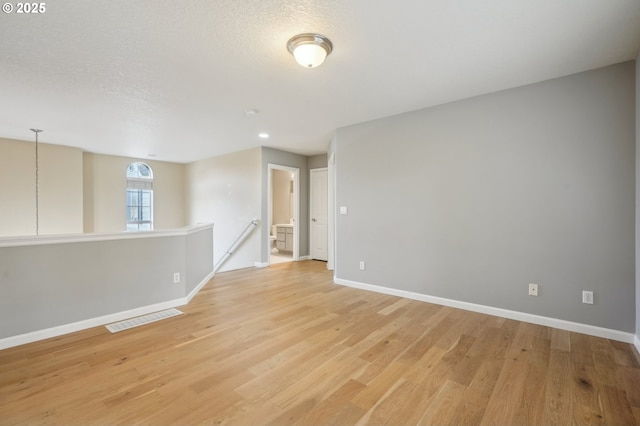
[{"x": 343, "y": 210}]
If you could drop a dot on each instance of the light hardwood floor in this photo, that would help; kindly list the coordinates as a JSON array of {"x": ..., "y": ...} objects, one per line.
[{"x": 283, "y": 345}]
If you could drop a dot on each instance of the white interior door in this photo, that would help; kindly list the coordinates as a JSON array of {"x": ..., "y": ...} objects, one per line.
[{"x": 319, "y": 213}]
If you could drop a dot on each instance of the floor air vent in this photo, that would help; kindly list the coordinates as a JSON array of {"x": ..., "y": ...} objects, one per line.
[{"x": 145, "y": 319}]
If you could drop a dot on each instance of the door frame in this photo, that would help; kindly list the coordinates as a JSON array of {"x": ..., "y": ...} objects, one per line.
[
  {"x": 296, "y": 207},
  {"x": 331, "y": 205}
]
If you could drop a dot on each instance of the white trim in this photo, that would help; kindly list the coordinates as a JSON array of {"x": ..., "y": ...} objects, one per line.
[
  {"x": 499, "y": 312},
  {"x": 331, "y": 206},
  {"x": 636, "y": 342},
  {"x": 199, "y": 286},
  {"x": 261, "y": 264},
  {"x": 304, "y": 258},
  {"x": 81, "y": 238},
  {"x": 59, "y": 330},
  {"x": 47, "y": 333}
]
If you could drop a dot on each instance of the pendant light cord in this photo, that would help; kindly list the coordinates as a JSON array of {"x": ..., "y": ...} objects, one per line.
[{"x": 36, "y": 131}]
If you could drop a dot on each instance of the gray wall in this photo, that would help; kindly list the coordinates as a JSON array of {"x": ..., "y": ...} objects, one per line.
[
  {"x": 318, "y": 161},
  {"x": 283, "y": 158},
  {"x": 474, "y": 199},
  {"x": 44, "y": 286},
  {"x": 198, "y": 258}
]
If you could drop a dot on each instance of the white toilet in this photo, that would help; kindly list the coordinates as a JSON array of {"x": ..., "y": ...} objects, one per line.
[{"x": 273, "y": 237}]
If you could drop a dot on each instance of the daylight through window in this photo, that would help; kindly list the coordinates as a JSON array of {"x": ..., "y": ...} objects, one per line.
[{"x": 139, "y": 197}]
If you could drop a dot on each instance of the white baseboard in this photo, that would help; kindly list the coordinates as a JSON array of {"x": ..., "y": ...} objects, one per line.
[
  {"x": 636, "y": 343},
  {"x": 261, "y": 264},
  {"x": 499, "y": 312},
  {"x": 34, "y": 336},
  {"x": 47, "y": 333},
  {"x": 304, "y": 258},
  {"x": 199, "y": 286}
]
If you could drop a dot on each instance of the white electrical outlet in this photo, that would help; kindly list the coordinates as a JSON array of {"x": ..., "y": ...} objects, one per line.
[
  {"x": 362, "y": 265},
  {"x": 176, "y": 278},
  {"x": 587, "y": 297},
  {"x": 533, "y": 289}
]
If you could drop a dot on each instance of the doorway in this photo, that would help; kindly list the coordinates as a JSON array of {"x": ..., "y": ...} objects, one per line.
[{"x": 284, "y": 190}]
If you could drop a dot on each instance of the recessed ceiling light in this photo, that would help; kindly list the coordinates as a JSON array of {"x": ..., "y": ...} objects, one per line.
[
  {"x": 152, "y": 155},
  {"x": 263, "y": 135},
  {"x": 251, "y": 112}
]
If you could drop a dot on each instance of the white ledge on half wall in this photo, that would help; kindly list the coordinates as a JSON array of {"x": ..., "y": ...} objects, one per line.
[
  {"x": 499, "y": 312},
  {"x": 34, "y": 240}
]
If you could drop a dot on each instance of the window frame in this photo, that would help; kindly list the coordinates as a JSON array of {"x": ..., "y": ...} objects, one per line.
[{"x": 142, "y": 185}]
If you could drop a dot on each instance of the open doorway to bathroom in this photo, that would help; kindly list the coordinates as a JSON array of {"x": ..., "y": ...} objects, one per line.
[{"x": 283, "y": 213}]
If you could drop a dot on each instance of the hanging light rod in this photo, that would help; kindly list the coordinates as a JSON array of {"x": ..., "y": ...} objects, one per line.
[
  {"x": 310, "y": 50},
  {"x": 36, "y": 131}
]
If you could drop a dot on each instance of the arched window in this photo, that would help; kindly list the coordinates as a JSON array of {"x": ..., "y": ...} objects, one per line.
[{"x": 139, "y": 197}]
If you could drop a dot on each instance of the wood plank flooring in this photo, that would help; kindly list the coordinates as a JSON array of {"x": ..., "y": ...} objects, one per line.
[{"x": 284, "y": 345}]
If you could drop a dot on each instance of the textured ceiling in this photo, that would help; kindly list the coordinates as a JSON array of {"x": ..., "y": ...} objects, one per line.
[{"x": 174, "y": 77}]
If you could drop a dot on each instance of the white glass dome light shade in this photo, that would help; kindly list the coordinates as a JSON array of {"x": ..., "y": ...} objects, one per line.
[
  {"x": 309, "y": 55},
  {"x": 309, "y": 50}
]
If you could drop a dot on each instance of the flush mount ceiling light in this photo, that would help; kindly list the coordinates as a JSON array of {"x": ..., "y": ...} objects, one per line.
[{"x": 310, "y": 50}]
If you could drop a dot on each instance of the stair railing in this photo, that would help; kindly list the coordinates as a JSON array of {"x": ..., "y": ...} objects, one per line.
[{"x": 247, "y": 231}]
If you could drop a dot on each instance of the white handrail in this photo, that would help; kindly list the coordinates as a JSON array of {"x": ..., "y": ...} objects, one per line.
[{"x": 237, "y": 243}]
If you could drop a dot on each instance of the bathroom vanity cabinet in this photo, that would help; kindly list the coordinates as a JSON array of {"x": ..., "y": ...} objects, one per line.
[{"x": 284, "y": 241}]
